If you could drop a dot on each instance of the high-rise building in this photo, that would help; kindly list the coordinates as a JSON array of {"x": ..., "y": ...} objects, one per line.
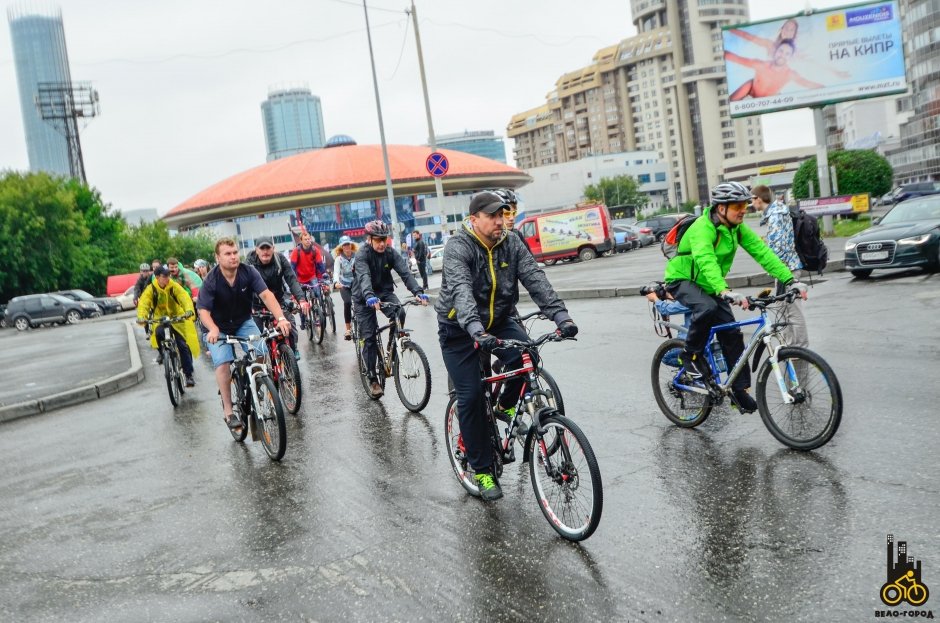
[
  {"x": 918, "y": 156},
  {"x": 293, "y": 122},
  {"x": 40, "y": 55},
  {"x": 663, "y": 90},
  {"x": 481, "y": 143}
]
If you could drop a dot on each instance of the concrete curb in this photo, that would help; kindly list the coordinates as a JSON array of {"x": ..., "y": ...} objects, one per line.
[
  {"x": 111, "y": 385},
  {"x": 737, "y": 281}
]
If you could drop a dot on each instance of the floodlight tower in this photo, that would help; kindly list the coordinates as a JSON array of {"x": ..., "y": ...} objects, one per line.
[{"x": 61, "y": 105}]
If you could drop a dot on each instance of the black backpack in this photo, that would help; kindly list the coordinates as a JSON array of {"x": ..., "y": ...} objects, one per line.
[{"x": 808, "y": 241}]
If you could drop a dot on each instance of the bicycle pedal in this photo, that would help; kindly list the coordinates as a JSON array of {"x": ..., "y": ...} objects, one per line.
[{"x": 509, "y": 456}]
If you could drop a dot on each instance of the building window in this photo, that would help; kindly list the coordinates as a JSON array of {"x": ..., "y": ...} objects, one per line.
[{"x": 660, "y": 177}]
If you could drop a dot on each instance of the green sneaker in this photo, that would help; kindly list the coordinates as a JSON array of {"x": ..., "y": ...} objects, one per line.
[
  {"x": 506, "y": 415},
  {"x": 489, "y": 488}
]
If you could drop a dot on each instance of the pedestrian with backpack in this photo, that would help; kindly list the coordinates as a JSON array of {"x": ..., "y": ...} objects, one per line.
[
  {"x": 695, "y": 276},
  {"x": 780, "y": 239}
]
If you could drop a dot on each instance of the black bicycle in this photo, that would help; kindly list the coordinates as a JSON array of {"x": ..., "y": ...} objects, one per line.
[
  {"x": 401, "y": 358},
  {"x": 321, "y": 310},
  {"x": 563, "y": 468},
  {"x": 169, "y": 352},
  {"x": 255, "y": 399},
  {"x": 283, "y": 365}
]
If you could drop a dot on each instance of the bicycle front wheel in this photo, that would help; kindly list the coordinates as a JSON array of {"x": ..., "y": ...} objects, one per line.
[
  {"x": 319, "y": 323},
  {"x": 238, "y": 401},
  {"x": 813, "y": 417},
  {"x": 456, "y": 451},
  {"x": 288, "y": 379},
  {"x": 412, "y": 377},
  {"x": 309, "y": 323},
  {"x": 331, "y": 312},
  {"x": 681, "y": 407},
  {"x": 271, "y": 419},
  {"x": 171, "y": 372},
  {"x": 567, "y": 482}
]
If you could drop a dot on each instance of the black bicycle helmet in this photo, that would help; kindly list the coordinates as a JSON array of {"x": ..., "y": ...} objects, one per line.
[
  {"x": 730, "y": 192},
  {"x": 378, "y": 229},
  {"x": 507, "y": 196}
]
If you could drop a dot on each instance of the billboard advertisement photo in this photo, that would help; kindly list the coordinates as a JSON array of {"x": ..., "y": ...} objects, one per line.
[{"x": 833, "y": 55}]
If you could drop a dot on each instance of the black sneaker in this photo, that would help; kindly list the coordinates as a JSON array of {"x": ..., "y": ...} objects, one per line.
[
  {"x": 696, "y": 367},
  {"x": 190, "y": 382},
  {"x": 489, "y": 488},
  {"x": 160, "y": 359},
  {"x": 744, "y": 401}
]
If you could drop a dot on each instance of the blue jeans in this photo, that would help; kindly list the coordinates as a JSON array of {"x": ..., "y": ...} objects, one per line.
[{"x": 223, "y": 353}]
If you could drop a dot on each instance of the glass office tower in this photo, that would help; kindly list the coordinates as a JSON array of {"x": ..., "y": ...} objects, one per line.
[
  {"x": 40, "y": 55},
  {"x": 293, "y": 122}
]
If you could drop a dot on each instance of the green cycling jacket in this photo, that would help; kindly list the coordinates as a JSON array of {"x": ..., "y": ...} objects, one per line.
[{"x": 700, "y": 260}]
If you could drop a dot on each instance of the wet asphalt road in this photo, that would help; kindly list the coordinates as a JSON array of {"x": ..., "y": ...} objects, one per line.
[{"x": 124, "y": 509}]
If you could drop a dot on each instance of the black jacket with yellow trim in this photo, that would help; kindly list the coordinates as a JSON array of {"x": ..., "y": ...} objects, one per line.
[{"x": 480, "y": 286}]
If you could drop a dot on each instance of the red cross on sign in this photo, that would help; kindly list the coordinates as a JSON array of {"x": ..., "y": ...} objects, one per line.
[{"x": 437, "y": 164}]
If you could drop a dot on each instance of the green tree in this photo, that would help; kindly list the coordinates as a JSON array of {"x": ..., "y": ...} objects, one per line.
[
  {"x": 857, "y": 170},
  {"x": 43, "y": 237},
  {"x": 619, "y": 190}
]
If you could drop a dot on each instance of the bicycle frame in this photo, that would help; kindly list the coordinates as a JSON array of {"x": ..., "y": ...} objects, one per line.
[
  {"x": 252, "y": 370},
  {"x": 769, "y": 335}
]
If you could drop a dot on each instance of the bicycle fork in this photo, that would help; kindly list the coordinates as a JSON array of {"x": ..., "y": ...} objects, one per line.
[{"x": 790, "y": 372}]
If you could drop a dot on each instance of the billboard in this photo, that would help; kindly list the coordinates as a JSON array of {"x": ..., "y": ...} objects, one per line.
[
  {"x": 560, "y": 232},
  {"x": 833, "y": 55},
  {"x": 844, "y": 204}
]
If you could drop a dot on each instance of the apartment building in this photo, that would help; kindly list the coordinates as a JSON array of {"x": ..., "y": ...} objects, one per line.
[{"x": 663, "y": 90}]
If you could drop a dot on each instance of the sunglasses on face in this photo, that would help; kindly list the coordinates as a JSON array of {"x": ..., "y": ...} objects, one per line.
[
  {"x": 509, "y": 213},
  {"x": 737, "y": 207}
]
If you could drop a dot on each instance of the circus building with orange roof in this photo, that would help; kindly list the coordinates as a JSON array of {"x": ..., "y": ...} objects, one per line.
[{"x": 335, "y": 191}]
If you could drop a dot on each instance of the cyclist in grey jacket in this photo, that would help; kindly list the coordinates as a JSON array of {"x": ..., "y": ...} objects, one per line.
[{"x": 483, "y": 265}]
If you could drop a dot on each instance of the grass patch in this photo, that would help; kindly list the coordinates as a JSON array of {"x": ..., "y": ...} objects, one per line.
[{"x": 845, "y": 228}]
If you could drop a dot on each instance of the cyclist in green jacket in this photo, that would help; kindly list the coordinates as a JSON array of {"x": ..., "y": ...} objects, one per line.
[{"x": 696, "y": 278}]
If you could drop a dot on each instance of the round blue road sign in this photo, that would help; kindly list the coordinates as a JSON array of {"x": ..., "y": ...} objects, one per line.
[{"x": 437, "y": 164}]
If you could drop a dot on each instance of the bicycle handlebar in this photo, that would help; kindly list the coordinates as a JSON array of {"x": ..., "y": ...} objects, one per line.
[
  {"x": 234, "y": 339},
  {"x": 536, "y": 314},
  {"x": 529, "y": 344},
  {"x": 402, "y": 304},
  {"x": 762, "y": 302},
  {"x": 170, "y": 319}
]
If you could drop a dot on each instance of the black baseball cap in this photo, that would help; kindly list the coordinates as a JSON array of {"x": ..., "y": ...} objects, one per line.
[
  {"x": 264, "y": 241},
  {"x": 487, "y": 202}
]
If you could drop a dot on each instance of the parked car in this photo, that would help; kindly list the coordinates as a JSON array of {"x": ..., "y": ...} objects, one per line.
[
  {"x": 437, "y": 258},
  {"x": 907, "y": 236},
  {"x": 625, "y": 239},
  {"x": 918, "y": 189},
  {"x": 33, "y": 310},
  {"x": 660, "y": 225},
  {"x": 108, "y": 305},
  {"x": 127, "y": 299},
  {"x": 643, "y": 234}
]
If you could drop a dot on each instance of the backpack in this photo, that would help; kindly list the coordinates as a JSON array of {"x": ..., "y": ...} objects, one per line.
[
  {"x": 808, "y": 242},
  {"x": 670, "y": 244}
]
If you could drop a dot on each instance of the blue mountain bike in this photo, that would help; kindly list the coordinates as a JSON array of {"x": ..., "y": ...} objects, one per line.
[{"x": 798, "y": 395}]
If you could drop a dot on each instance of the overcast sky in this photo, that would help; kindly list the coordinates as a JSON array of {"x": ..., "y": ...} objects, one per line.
[{"x": 181, "y": 81}]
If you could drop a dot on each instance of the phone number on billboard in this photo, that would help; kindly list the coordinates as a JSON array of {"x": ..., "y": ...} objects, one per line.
[{"x": 762, "y": 103}]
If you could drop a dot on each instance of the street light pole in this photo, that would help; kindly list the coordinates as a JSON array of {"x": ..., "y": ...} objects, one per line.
[
  {"x": 378, "y": 107},
  {"x": 432, "y": 139}
]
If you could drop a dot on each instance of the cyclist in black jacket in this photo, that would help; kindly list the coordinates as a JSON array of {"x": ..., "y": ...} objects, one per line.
[
  {"x": 373, "y": 285},
  {"x": 483, "y": 265},
  {"x": 276, "y": 271}
]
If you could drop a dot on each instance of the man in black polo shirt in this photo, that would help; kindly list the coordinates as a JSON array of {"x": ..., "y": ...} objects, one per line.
[{"x": 225, "y": 307}]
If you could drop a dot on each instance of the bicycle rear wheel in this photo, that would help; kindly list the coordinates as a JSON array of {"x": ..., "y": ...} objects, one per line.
[
  {"x": 271, "y": 419},
  {"x": 171, "y": 372},
  {"x": 567, "y": 482},
  {"x": 288, "y": 378},
  {"x": 238, "y": 401},
  {"x": 412, "y": 376},
  {"x": 456, "y": 451},
  {"x": 814, "y": 416},
  {"x": 682, "y": 407}
]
